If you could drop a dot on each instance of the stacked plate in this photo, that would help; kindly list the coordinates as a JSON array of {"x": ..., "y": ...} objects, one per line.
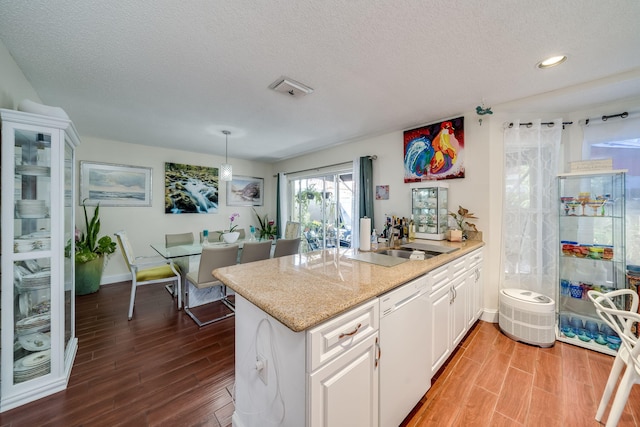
[
  {"x": 35, "y": 342},
  {"x": 32, "y": 366},
  {"x": 31, "y": 209},
  {"x": 33, "y": 324},
  {"x": 39, "y": 240},
  {"x": 34, "y": 281},
  {"x": 33, "y": 170}
]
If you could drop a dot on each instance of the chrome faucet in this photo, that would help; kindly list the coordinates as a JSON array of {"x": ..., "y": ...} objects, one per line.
[{"x": 392, "y": 241}]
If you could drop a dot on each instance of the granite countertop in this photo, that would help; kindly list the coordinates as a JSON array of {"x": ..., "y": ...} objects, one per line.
[{"x": 304, "y": 290}]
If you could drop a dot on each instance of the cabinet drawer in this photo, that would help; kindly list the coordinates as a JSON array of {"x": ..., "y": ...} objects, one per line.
[
  {"x": 438, "y": 278},
  {"x": 474, "y": 258},
  {"x": 334, "y": 337},
  {"x": 457, "y": 267}
]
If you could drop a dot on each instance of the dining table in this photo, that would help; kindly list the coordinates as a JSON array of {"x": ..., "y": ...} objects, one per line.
[{"x": 183, "y": 255}]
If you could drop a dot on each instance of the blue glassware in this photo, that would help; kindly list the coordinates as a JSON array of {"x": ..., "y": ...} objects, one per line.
[
  {"x": 592, "y": 328},
  {"x": 576, "y": 324}
]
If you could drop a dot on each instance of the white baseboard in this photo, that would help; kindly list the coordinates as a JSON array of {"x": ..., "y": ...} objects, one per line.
[
  {"x": 115, "y": 278},
  {"x": 490, "y": 316}
]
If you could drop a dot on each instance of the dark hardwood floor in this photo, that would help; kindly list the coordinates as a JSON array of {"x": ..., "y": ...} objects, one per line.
[{"x": 161, "y": 369}]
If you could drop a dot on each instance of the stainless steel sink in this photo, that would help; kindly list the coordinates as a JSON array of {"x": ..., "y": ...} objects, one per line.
[{"x": 400, "y": 253}]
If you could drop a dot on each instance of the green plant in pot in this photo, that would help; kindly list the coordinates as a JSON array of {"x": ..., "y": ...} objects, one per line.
[
  {"x": 267, "y": 229},
  {"x": 90, "y": 253}
]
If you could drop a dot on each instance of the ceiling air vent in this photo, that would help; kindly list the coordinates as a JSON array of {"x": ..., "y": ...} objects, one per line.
[{"x": 290, "y": 87}]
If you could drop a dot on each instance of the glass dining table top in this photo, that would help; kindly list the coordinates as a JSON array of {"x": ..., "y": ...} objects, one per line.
[{"x": 179, "y": 251}]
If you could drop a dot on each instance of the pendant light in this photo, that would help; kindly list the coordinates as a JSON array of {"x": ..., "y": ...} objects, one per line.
[{"x": 226, "y": 170}]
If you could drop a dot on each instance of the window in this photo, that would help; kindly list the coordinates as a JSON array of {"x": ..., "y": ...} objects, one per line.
[{"x": 625, "y": 155}]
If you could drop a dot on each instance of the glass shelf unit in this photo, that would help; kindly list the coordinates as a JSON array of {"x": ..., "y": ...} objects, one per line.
[
  {"x": 591, "y": 254},
  {"x": 38, "y": 343},
  {"x": 429, "y": 208}
]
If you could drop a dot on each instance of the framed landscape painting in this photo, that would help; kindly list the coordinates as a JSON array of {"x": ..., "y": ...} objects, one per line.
[
  {"x": 245, "y": 191},
  {"x": 115, "y": 185},
  {"x": 190, "y": 189},
  {"x": 435, "y": 151}
]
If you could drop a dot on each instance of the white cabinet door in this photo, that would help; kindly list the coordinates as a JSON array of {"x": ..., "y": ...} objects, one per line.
[
  {"x": 440, "y": 328},
  {"x": 459, "y": 310},
  {"x": 344, "y": 392}
]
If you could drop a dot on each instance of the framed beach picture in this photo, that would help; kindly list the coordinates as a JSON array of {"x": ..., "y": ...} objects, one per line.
[
  {"x": 190, "y": 189},
  {"x": 115, "y": 185},
  {"x": 245, "y": 191},
  {"x": 435, "y": 151}
]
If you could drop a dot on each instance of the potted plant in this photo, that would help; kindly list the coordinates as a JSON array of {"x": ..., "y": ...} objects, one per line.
[
  {"x": 267, "y": 228},
  {"x": 461, "y": 218},
  {"x": 90, "y": 253},
  {"x": 231, "y": 236}
]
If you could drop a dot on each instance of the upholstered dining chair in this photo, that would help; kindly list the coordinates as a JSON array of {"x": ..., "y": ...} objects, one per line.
[
  {"x": 286, "y": 247},
  {"x": 178, "y": 239},
  {"x": 214, "y": 236},
  {"x": 147, "y": 271},
  {"x": 212, "y": 257},
  {"x": 255, "y": 251},
  {"x": 628, "y": 356}
]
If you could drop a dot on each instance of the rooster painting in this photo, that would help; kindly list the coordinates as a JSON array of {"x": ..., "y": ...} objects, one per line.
[{"x": 434, "y": 151}]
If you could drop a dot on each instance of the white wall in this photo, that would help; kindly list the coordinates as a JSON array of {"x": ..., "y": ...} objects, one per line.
[
  {"x": 146, "y": 225},
  {"x": 14, "y": 87}
]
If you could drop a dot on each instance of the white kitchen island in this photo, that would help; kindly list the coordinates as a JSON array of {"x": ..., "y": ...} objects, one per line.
[{"x": 307, "y": 341}]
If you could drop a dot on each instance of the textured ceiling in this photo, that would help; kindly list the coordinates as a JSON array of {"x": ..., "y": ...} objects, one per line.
[{"x": 175, "y": 73}]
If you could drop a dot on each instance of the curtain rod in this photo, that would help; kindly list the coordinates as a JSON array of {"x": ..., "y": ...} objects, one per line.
[
  {"x": 549, "y": 124},
  {"x": 605, "y": 118},
  {"x": 373, "y": 157}
]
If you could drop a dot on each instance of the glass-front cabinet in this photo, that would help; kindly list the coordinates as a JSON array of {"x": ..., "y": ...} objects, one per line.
[
  {"x": 591, "y": 254},
  {"x": 429, "y": 208},
  {"x": 38, "y": 342}
]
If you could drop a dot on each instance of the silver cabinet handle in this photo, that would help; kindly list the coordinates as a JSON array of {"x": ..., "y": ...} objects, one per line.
[{"x": 379, "y": 352}]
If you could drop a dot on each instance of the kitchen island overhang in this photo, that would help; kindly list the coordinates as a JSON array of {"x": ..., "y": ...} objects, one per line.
[{"x": 304, "y": 290}]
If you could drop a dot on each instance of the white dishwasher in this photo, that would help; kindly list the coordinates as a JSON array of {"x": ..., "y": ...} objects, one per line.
[{"x": 405, "y": 367}]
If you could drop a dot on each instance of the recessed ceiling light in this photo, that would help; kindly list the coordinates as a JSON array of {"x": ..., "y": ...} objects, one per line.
[{"x": 552, "y": 62}]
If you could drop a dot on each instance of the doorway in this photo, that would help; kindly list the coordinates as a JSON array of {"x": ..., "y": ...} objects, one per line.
[{"x": 323, "y": 205}]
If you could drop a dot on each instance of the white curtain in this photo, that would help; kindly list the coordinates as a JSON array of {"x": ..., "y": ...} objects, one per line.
[{"x": 529, "y": 217}]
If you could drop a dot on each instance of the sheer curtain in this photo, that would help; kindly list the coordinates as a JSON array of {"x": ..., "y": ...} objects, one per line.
[{"x": 529, "y": 224}]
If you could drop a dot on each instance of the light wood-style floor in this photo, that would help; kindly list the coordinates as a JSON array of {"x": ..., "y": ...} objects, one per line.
[{"x": 161, "y": 369}]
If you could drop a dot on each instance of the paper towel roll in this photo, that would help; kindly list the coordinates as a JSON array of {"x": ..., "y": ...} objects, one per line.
[{"x": 365, "y": 234}]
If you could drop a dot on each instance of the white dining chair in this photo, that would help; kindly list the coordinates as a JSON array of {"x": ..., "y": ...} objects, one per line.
[
  {"x": 628, "y": 355},
  {"x": 147, "y": 271}
]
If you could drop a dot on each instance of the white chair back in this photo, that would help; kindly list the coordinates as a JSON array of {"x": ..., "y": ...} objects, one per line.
[
  {"x": 292, "y": 230},
  {"x": 255, "y": 251},
  {"x": 286, "y": 247},
  {"x": 178, "y": 239}
]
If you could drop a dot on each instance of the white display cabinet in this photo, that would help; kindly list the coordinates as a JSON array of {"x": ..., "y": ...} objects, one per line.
[
  {"x": 38, "y": 342},
  {"x": 430, "y": 210},
  {"x": 591, "y": 254}
]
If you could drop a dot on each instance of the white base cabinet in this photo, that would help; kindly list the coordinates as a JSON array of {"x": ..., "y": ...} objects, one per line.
[
  {"x": 456, "y": 304},
  {"x": 325, "y": 376},
  {"x": 345, "y": 390},
  {"x": 329, "y": 375}
]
